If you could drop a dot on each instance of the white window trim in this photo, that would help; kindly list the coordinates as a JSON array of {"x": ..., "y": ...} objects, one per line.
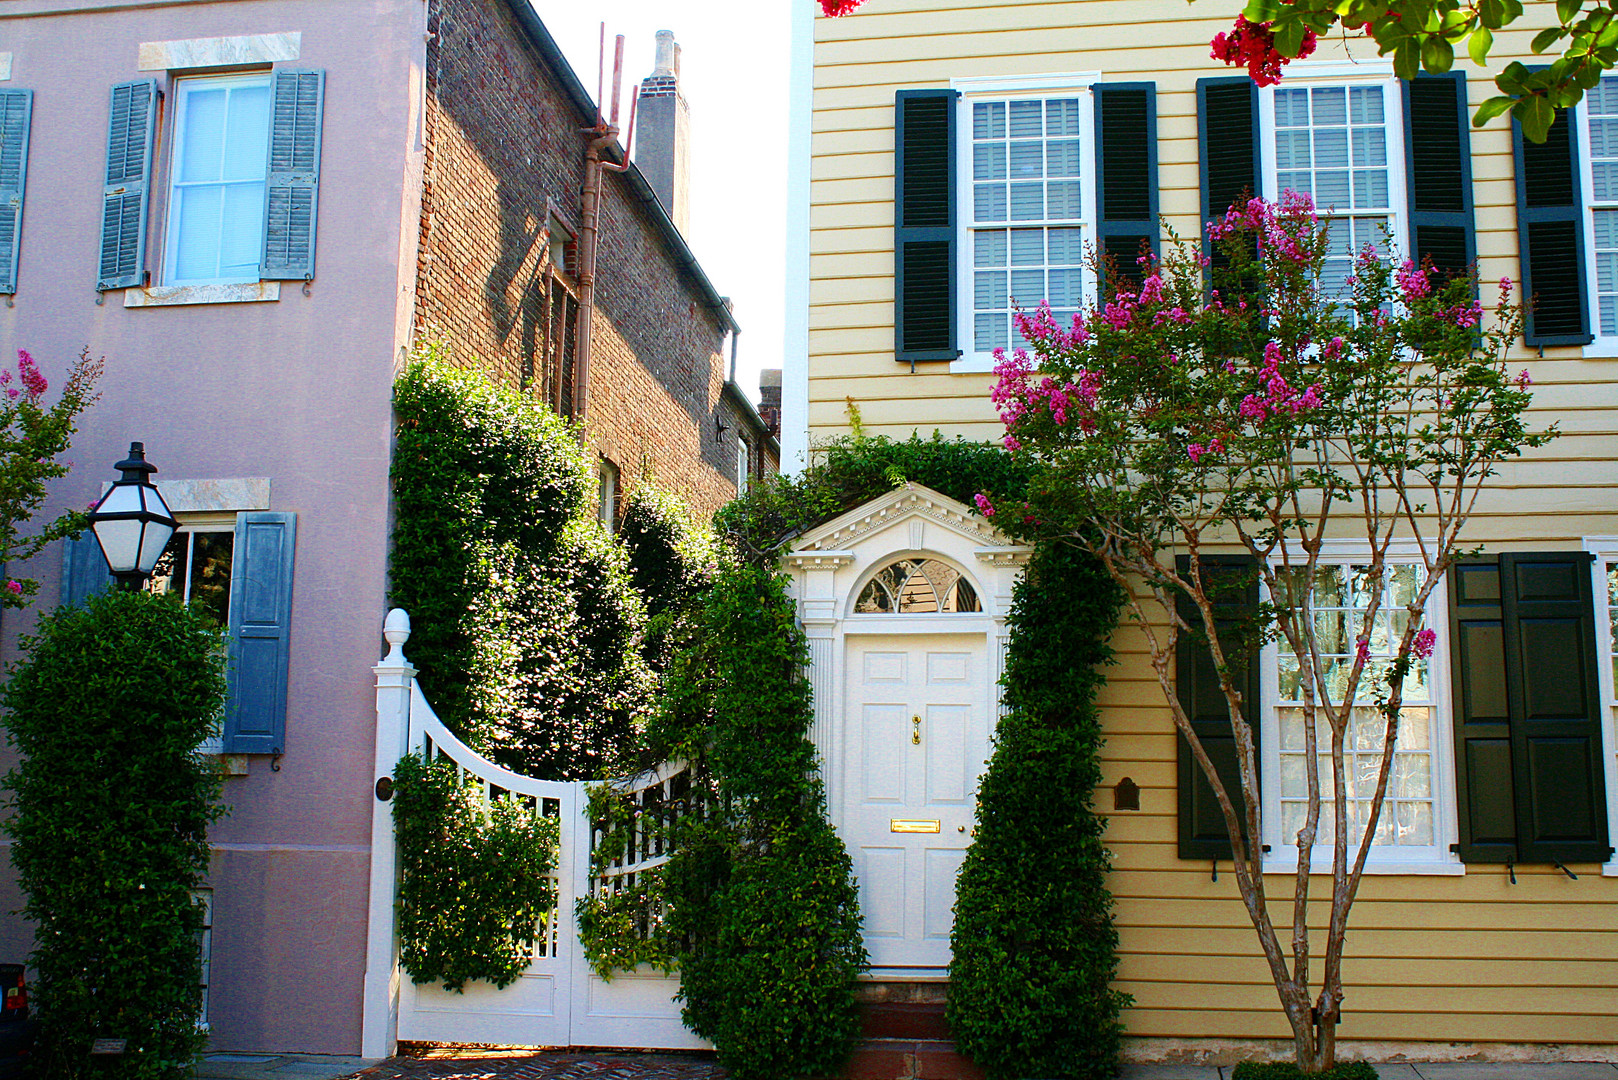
[
  {"x": 1076, "y": 84},
  {"x": 1438, "y": 860},
  {"x": 1605, "y": 550},
  {"x": 1604, "y": 344},
  {"x": 1335, "y": 73},
  {"x": 194, "y": 290}
]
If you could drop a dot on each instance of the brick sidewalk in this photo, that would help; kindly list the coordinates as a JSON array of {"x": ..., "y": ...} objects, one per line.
[{"x": 476, "y": 1064}]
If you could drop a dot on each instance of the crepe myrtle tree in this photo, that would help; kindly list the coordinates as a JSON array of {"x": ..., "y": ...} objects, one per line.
[
  {"x": 1290, "y": 399},
  {"x": 1424, "y": 35}
]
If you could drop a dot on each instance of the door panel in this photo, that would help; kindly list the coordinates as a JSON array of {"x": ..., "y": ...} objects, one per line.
[{"x": 915, "y": 742}]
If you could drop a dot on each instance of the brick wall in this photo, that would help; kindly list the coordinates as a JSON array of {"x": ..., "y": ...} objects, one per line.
[{"x": 504, "y": 153}]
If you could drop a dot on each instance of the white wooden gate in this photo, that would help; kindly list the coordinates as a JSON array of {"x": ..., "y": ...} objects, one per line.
[{"x": 558, "y": 1001}]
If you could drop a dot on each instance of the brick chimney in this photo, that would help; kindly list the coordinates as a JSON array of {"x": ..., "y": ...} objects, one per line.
[
  {"x": 663, "y": 135},
  {"x": 769, "y": 399}
]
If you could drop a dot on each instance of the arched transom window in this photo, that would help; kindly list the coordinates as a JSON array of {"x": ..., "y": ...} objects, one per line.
[{"x": 916, "y": 586}]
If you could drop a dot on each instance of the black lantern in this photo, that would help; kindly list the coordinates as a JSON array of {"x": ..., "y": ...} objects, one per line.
[{"x": 132, "y": 523}]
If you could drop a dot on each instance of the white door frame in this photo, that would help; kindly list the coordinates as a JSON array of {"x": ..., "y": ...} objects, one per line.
[{"x": 831, "y": 562}]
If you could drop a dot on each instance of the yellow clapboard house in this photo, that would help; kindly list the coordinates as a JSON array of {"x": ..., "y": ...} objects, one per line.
[{"x": 954, "y": 159}]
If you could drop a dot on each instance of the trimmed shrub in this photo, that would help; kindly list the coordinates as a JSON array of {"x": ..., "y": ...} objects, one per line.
[
  {"x": 763, "y": 911},
  {"x": 1034, "y": 948},
  {"x": 473, "y": 890},
  {"x": 111, "y": 809},
  {"x": 671, "y": 560},
  {"x": 526, "y": 629}
]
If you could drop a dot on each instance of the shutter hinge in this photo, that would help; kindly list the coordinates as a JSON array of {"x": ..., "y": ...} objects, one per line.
[
  {"x": 1511, "y": 871},
  {"x": 1565, "y": 870}
]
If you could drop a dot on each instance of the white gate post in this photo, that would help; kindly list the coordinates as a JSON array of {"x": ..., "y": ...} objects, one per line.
[{"x": 394, "y": 678}]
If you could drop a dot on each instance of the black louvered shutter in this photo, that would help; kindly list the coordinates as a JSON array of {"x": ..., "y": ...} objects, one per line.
[
  {"x": 1550, "y": 234},
  {"x": 131, "y": 114},
  {"x": 1228, "y": 150},
  {"x": 16, "y": 111},
  {"x": 1126, "y": 173},
  {"x": 1202, "y": 832},
  {"x": 292, "y": 190},
  {"x": 1438, "y": 168},
  {"x": 924, "y": 226},
  {"x": 1528, "y": 710}
]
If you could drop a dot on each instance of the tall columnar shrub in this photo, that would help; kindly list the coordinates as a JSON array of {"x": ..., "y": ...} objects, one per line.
[
  {"x": 111, "y": 805},
  {"x": 1034, "y": 948},
  {"x": 527, "y": 631},
  {"x": 473, "y": 886},
  {"x": 763, "y": 911}
]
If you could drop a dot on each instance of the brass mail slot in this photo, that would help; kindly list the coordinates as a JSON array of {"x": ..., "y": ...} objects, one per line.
[{"x": 911, "y": 825}]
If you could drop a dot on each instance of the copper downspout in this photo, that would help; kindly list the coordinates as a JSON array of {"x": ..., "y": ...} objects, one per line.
[{"x": 603, "y": 135}]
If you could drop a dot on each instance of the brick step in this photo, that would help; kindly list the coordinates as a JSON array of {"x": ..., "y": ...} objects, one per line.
[
  {"x": 908, "y": 1059},
  {"x": 903, "y": 1020}
]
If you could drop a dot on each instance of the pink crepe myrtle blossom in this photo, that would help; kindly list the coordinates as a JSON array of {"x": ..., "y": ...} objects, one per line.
[
  {"x": 1422, "y": 646},
  {"x": 985, "y": 507},
  {"x": 1197, "y": 451},
  {"x": 1524, "y": 380},
  {"x": 835, "y": 8},
  {"x": 1413, "y": 280},
  {"x": 1363, "y": 650},
  {"x": 28, "y": 372},
  {"x": 1505, "y": 289},
  {"x": 13, "y": 587}
]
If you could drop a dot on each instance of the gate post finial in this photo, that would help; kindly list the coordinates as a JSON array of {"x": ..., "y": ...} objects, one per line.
[{"x": 396, "y": 631}]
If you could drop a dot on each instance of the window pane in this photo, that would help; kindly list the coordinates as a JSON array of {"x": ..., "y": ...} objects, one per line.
[
  {"x": 1329, "y": 106},
  {"x": 241, "y": 240},
  {"x": 1606, "y": 258},
  {"x": 989, "y": 202},
  {"x": 990, "y": 289},
  {"x": 201, "y": 211},
  {"x": 1027, "y": 288},
  {"x": 1062, "y": 117},
  {"x": 1065, "y": 201},
  {"x": 989, "y": 332},
  {"x": 1367, "y": 104},
  {"x": 1027, "y": 119},
  {"x": 1027, "y": 160},
  {"x": 202, "y": 152},
  {"x": 1067, "y": 247},
  {"x": 989, "y": 247},
  {"x": 1027, "y": 247},
  {"x": 247, "y": 133},
  {"x": 1066, "y": 288},
  {"x": 1292, "y": 108},
  {"x": 989, "y": 120},
  {"x": 989, "y": 161},
  {"x": 1062, "y": 158},
  {"x": 1027, "y": 202},
  {"x": 210, "y": 587}
]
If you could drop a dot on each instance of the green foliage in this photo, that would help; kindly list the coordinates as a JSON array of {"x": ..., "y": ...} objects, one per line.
[
  {"x": 763, "y": 915},
  {"x": 671, "y": 558},
  {"x": 526, "y": 628},
  {"x": 1286, "y": 1070},
  {"x": 111, "y": 808},
  {"x": 32, "y": 437},
  {"x": 851, "y": 470},
  {"x": 473, "y": 887},
  {"x": 1034, "y": 948}
]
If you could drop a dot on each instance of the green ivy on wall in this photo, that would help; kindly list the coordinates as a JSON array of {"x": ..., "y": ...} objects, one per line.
[
  {"x": 474, "y": 885},
  {"x": 527, "y": 629}
]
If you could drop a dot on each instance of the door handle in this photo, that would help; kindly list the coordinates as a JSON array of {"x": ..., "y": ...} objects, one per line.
[{"x": 915, "y": 731}]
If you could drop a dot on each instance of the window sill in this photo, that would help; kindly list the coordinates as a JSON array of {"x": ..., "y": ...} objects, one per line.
[
  {"x": 1372, "y": 868},
  {"x": 174, "y": 295},
  {"x": 972, "y": 364},
  {"x": 1609, "y": 869}
]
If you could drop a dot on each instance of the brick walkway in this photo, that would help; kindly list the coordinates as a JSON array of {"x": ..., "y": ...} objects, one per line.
[{"x": 480, "y": 1064}]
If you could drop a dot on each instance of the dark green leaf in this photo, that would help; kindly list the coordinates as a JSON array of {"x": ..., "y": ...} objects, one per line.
[
  {"x": 1407, "y": 59},
  {"x": 1479, "y": 44},
  {"x": 1546, "y": 38},
  {"x": 1437, "y": 55},
  {"x": 1491, "y": 108},
  {"x": 1535, "y": 115},
  {"x": 1567, "y": 10}
]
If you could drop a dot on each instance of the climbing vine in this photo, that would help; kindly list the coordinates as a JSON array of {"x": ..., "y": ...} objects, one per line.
[
  {"x": 1034, "y": 947},
  {"x": 474, "y": 885},
  {"x": 527, "y": 629}
]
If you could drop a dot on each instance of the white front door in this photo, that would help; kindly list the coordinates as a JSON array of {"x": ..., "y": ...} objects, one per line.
[{"x": 915, "y": 742}]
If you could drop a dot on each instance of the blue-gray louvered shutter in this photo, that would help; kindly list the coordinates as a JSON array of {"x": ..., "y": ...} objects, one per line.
[
  {"x": 1438, "y": 169},
  {"x": 1550, "y": 234},
  {"x": 924, "y": 226},
  {"x": 1228, "y": 150},
  {"x": 84, "y": 569},
  {"x": 1126, "y": 173},
  {"x": 128, "y": 190},
  {"x": 292, "y": 190},
  {"x": 260, "y": 638},
  {"x": 16, "y": 110},
  {"x": 1233, "y": 586}
]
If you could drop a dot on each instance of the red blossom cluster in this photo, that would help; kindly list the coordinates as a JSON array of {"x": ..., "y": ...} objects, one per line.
[
  {"x": 1253, "y": 44},
  {"x": 835, "y": 8}
]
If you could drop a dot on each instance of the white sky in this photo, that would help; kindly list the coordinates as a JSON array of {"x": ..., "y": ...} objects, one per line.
[{"x": 733, "y": 72}]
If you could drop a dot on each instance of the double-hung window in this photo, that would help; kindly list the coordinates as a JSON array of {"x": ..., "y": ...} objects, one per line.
[
  {"x": 1338, "y": 142},
  {"x": 1415, "y": 827},
  {"x": 1031, "y": 214},
  {"x": 216, "y": 194},
  {"x": 1002, "y": 189}
]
